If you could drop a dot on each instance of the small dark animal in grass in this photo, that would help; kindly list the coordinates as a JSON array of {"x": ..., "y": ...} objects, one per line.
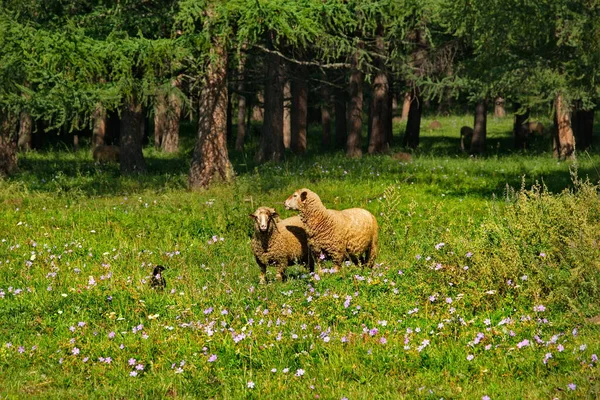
[
  {"x": 466, "y": 136},
  {"x": 158, "y": 280},
  {"x": 435, "y": 125},
  {"x": 105, "y": 154}
]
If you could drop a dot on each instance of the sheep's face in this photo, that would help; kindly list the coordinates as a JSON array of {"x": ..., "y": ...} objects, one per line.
[
  {"x": 263, "y": 216},
  {"x": 296, "y": 200}
]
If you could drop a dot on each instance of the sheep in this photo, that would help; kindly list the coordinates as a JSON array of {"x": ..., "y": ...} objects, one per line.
[
  {"x": 435, "y": 125},
  {"x": 337, "y": 235},
  {"x": 402, "y": 156},
  {"x": 278, "y": 242},
  {"x": 105, "y": 154},
  {"x": 534, "y": 128},
  {"x": 466, "y": 136}
]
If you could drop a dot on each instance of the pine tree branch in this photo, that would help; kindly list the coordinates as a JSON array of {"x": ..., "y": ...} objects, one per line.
[{"x": 310, "y": 63}]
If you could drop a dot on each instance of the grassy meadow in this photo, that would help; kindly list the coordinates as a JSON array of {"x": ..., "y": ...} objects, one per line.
[{"x": 487, "y": 284}]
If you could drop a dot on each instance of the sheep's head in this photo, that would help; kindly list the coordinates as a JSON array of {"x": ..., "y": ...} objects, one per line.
[
  {"x": 263, "y": 216},
  {"x": 297, "y": 200}
]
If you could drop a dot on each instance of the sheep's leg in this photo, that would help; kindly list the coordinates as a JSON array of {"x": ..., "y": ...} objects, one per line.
[
  {"x": 281, "y": 273},
  {"x": 337, "y": 262},
  {"x": 311, "y": 263},
  {"x": 372, "y": 253},
  {"x": 263, "y": 273}
]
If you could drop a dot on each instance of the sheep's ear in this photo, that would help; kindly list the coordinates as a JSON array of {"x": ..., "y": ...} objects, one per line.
[
  {"x": 252, "y": 216},
  {"x": 303, "y": 195},
  {"x": 274, "y": 215}
]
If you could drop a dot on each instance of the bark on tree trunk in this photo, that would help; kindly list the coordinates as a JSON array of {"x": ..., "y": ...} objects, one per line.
[
  {"x": 8, "y": 144},
  {"x": 380, "y": 113},
  {"x": 564, "y": 140},
  {"x": 299, "y": 112},
  {"x": 258, "y": 109},
  {"x": 583, "y": 126},
  {"x": 418, "y": 60},
  {"x": 160, "y": 119},
  {"x": 413, "y": 124},
  {"x": 287, "y": 115},
  {"x": 99, "y": 126},
  {"x": 25, "y": 129},
  {"x": 519, "y": 139},
  {"x": 210, "y": 160},
  {"x": 170, "y": 139},
  {"x": 131, "y": 156},
  {"x": 341, "y": 126},
  {"x": 242, "y": 106},
  {"x": 355, "y": 112},
  {"x": 479, "y": 128},
  {"x": 389, "y": 126},
  {"x": 405, "y": 106},
  {"x": 325, "y": 118},
  {"x": 271, "y": 141},
  {"x": 241, "y": 123},
  {"x": 499, "y": 111}
]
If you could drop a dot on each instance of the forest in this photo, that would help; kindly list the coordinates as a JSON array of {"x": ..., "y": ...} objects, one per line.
[
  {"x": 140, "y": 140},
  {"x": 122, "y": 73}
]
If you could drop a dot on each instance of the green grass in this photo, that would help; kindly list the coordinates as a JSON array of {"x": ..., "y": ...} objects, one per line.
[{"x": 77, "y": 243}]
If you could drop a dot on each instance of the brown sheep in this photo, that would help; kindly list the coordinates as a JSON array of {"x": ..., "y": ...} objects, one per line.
[
  {"x": 402, "y": 156},
  {"x": 466, "y": 136},
  {"x": 337, "y": 235},
  {"x": 435, "y": 125},
  {"x": 278, "y": 242},
  {"x": 536, "y": 128},
  {"x": 106, "y": 154}
]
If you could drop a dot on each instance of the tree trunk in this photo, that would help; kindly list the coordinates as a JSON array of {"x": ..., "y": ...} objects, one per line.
[
  {"x": 131, "y": 156},
  {"x": 341, "y": 126},
  {"x": 25, "y": 129},
  {"x": 99, "y": 126},
  {"x": 355, "y": 112},
  {"x": 170, "y": 139},
  {"x": 389, "y": 126},
  {"x": 75, "y": 142},
  {"x": 564, "y": 140},
  {"x": 413, "y": 124},
  {"x": 406, "y": 106},
  {"x": 287, "y": 115},
  {"x": 518, "y": 135},
  {"x": 380, "y": 113},
  {"x": 242, "y": 106},
  {"x": 299, "y": 111},
  {"x": 583, "y": 127},
  {"x": 8, "y": 144},
  {"x": 210, "y": 160},
  {"x": 499, "y": 111},
  {"x": 479, "y": 128},
  {"x": 325, "y": 118},
  {"x": 271, "y": 141},
  {"x": 160, "y": 119},
  {"x": 258, "y": 109}
]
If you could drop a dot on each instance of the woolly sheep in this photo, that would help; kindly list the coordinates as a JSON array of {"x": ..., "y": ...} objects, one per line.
[
  {"x": 435, "y": 125},
  {"x": 278, "y": 242},
  {"x": 338, "y": 235},
  {"x": 536, "y": 128},
  {"x": 104, "y": 154},
  {"x": 466, "y": 136}
]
